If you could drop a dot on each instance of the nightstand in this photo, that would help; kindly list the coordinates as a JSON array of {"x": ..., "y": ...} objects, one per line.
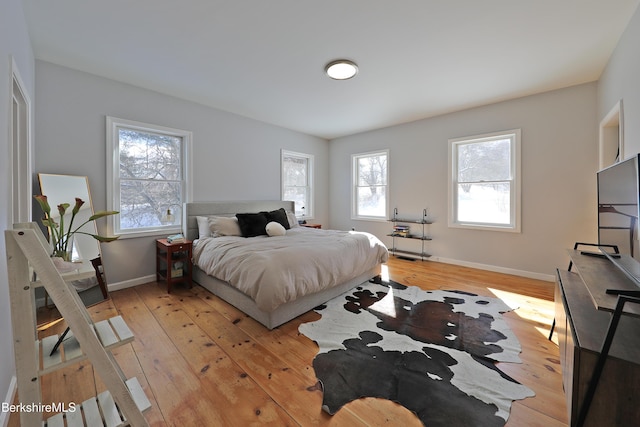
[
  {"x": 318, "y": 226},
  {"x": 173, "y": 262}
]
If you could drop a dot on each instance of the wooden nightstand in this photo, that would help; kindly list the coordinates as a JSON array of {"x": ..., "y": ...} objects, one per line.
[
  {"x": 318, "y": 226},
  {"x": 173, "y": 262}
]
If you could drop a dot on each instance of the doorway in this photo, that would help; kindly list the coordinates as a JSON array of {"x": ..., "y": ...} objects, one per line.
[
  {"x": 20, "y": 134},
  {"x": 612, "y": 137}
]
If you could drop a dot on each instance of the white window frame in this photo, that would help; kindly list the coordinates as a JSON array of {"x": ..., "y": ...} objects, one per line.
[
  {"x": 310, "y": 196},
  {"x": 514, "y": 136},
  {"x": 354, "y": 186},
  {"x": 113, "y": 175}
]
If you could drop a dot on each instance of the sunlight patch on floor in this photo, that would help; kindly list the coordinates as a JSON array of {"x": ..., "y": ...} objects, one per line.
[
  {"x": 384, "y": 272},
  {"x": 529, "y": 308},
  {"x": 47, "y": 325},
  {"x": 512, "y": 300},
  {"x": 386, "y": 305},
  {"x": 545, "y": 333}
]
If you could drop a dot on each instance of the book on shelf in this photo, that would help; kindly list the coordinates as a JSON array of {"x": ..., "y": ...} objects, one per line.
[
  {"x": 401, "y": 230},
  {"x": 177, "y": 269},
  {"x": 176, "y": 238}
]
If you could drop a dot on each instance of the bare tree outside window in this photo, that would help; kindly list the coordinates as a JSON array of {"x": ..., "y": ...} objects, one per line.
[
  {"x": 484, "y": 176},
  {"x": 297, "y": 182},
  {"x": 370, "y": 176},
  {"x": 147, "y": 177},
  {"x": 150, "y": 178},
  {"x": 484, "y": 185}
]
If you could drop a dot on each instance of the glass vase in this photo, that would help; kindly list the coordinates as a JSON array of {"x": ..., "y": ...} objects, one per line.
[{"x": 64, "y": 249}]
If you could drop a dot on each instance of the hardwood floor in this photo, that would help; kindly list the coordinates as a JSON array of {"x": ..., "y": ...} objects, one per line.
[{"x": 201, "y": 362}]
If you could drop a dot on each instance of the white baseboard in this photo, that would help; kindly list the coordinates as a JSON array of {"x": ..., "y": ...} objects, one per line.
[
  {"x": 11, "y": 394},
  {"x": 497, "y": 269},
  {"x": 131, "y": 283}
]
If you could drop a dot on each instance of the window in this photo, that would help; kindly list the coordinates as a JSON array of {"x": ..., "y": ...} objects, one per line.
[
  {"x": 485, "y": 181},
  {"x": 147, "y": 174},
  {"x": 370, "y": 182},
  {"x": 297, "y": 182}
]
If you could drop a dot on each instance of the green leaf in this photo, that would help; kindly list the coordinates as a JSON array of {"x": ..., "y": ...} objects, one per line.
[
  {"x": 105, "y": 239},
  {"x": 102, "y": 214},
  {"x": 49, "y": 222}
]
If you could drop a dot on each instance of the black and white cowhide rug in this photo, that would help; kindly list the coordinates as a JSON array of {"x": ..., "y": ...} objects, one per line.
[{"x": 433, "y": 352}]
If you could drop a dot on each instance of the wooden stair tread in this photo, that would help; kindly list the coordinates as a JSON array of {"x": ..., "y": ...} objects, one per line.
[
  {"x": 100, "y": 410},
  {"x": 112, "y": 333}
]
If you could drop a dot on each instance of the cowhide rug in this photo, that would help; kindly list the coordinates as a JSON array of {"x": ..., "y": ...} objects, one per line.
[{"x": 433, "y": 352}]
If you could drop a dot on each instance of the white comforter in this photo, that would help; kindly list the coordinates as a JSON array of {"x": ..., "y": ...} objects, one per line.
[{"x": 279, "y": 269}]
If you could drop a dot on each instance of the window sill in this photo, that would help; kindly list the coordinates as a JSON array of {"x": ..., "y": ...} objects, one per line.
[
  {"x": 480, "y": 227},
  {"x": 369, "y": 218},
  {"x": 156, "y": 232}
]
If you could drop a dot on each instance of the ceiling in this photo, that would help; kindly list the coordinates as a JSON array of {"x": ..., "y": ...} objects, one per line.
[{"x": 265, "y": 59}]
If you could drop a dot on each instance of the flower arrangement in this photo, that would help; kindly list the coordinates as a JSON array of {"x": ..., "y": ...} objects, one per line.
[{"x": 61, "y": 238}]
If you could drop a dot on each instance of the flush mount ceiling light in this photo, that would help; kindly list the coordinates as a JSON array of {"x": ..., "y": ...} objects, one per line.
[{"x": 341, "y": 69}]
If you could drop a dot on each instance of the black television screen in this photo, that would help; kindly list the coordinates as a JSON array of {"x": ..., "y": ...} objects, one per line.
[{"x": 618, "y": 194}]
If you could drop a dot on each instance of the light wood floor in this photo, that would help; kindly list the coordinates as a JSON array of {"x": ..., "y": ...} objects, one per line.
[{"x": 204, "y": 363}]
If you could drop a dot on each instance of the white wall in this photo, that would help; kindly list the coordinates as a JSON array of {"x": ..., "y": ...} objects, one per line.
[
  {"x": 235, "y": 158},
  {"x": 621, "y": 81},
  {"x": 559, "y": 161},
  {"x": 14, "y": 43}
]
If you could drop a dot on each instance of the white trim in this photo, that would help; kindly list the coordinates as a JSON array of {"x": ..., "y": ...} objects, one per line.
[
  {"x": 309, "y": 210},
  {"x": 516, "y": 187},
  {"x": 26, "y": 175},
  {"x": 131, "y": 283},
  {"x": 494, "y": 268},
  {"x": 614, "y": 119},
  {"x": 112, "y": 125},
  {"x": 354, "y": 185},
  {"x": 11, "y": 394}
]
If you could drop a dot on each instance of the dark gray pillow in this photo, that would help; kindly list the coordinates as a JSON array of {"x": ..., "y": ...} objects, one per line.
[{"x": 253, "y": 224}]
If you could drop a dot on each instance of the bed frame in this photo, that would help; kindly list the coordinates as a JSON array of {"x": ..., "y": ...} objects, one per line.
[{"x": 222, "y": 289}]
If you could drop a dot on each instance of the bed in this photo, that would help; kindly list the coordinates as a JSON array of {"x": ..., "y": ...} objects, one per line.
[{"x": 253, "y": 285}]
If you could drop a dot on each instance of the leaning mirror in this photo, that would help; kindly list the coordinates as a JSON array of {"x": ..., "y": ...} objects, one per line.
[{"x": 87, "y": 276}]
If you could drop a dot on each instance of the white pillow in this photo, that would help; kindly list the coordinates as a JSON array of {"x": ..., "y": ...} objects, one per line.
[
  {"x": 293, "y": 221},
  {"x": 224, "y": 226},
  {"x": 203, "y": 227},
  {"x": 275, "y": 229}
]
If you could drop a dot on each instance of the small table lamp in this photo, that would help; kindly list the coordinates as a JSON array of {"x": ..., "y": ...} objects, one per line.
[{"x": 168, "y": 218}]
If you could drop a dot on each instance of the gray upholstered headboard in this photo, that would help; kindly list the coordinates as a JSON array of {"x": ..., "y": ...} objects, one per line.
[{"x": 230, "y": 208}]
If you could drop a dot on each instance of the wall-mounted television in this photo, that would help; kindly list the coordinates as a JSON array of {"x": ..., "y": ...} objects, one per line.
[
  {"x": 618, "y": 201},
  {"x": 618, "y": 195}
]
